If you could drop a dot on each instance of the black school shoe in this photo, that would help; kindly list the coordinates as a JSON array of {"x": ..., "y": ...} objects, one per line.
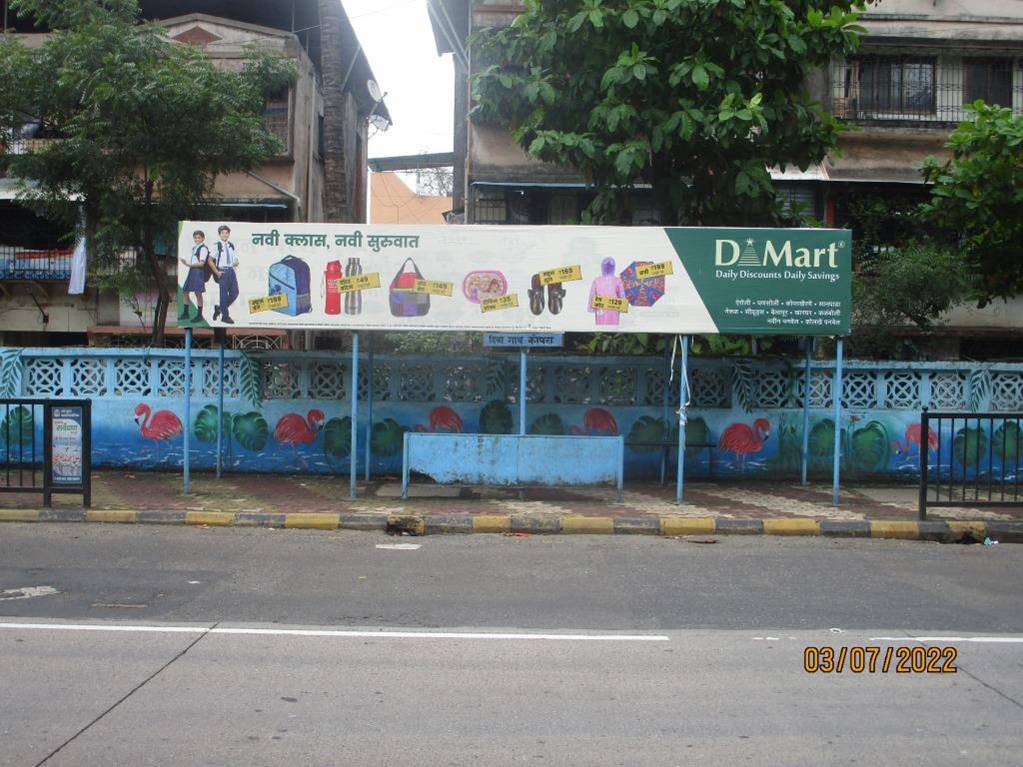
[
  {"x": 555, "y": 297},
  {"x": 216, "y": 312},
  {"x": 535, "y": 295},
  {"x": 227, "y": 319}
]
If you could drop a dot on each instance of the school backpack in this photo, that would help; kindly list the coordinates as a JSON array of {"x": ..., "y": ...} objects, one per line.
[{"x": 290, "y": 276}]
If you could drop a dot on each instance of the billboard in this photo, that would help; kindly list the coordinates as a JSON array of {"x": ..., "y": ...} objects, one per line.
[{"x": 515, "y": 278}]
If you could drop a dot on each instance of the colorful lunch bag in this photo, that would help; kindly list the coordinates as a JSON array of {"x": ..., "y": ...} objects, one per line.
[{"x": 405, "y": 302}]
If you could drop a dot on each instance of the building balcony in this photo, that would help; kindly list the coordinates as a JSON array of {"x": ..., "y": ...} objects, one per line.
[
  {"x": 922, "y": 91},
  {"x": 19, "y": 264}
]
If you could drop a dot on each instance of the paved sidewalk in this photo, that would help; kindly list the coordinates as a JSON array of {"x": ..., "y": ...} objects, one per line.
[{"x": 277, "y": 494}]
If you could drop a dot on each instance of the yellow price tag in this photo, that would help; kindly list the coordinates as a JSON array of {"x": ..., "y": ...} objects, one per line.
[
  {"x": 561, "y": 274},
  {"x": 276, "y": 301},
  {"x": 501, "y": 302},
  {"x": 433, "y": 287},
  {"x": 610, "y": 304},
  {"x": 654, "y": 270},
  {"x": 358, "y": 282}
]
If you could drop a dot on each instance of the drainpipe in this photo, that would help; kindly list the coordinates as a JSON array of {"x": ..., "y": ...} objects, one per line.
[{"x": 275, "y": 187}]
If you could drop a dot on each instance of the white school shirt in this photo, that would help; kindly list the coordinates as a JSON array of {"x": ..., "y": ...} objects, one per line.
[
  {"x": 196, "y": 251},
  {"x": 227, "y": 258}
]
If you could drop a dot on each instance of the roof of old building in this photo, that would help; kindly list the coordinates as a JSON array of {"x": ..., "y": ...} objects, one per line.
[{"x": 394, "y": 203}]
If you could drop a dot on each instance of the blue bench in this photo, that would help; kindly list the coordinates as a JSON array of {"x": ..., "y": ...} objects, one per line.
[{"x": 514, "y": 460}]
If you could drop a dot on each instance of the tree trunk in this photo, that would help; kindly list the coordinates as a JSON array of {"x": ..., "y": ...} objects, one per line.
[
  {"x": 335, "y": 202},
  {"x": 156, "y": 270}
]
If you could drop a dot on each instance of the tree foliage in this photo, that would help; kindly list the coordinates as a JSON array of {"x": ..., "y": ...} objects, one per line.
[
  {"x": 696, "y": 98},
  {"x": 978, "y": 197},
  {"x": 144, "y": 126}
]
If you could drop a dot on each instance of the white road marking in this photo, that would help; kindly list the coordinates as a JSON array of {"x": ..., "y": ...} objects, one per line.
[
  {"x": 992, "y": 640},
  {"x": 27, "y": 592},
  {"x": 400, "y": 546},
  {"x": 340, "y": 633}
]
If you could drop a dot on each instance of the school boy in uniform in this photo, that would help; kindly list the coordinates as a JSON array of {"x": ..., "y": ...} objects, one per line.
[
  {"x": 225, "y": 261},
  {"x": 195, "y": 282}
]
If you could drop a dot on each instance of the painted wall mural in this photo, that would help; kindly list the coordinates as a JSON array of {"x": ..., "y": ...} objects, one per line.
[{"x": 290, "y": 413}]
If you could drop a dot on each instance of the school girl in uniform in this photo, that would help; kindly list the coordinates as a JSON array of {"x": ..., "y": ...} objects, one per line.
[{"x": 195, "y": 282}]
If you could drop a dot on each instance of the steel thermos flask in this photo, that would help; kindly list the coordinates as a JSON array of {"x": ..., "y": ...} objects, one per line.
[
  {"x": 332, "y": 303},
  {"x": 353, "y": 299}
]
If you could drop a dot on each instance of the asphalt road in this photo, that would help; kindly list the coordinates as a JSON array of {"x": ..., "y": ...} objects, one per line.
[{"x": 188, "y": 646}]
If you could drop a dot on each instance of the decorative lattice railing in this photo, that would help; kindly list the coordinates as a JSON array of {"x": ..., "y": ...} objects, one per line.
[{"x": 715, "y": 384}]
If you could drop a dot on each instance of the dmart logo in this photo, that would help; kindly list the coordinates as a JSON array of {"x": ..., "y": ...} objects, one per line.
[{"x": 730, "y": 253}]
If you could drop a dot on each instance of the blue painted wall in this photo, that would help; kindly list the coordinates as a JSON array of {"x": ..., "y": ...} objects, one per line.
[{"x": 288, "y": 412}]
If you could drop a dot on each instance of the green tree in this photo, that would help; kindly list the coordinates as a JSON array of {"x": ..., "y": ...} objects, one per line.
[
  {"x": 145, "y": 126},
  {"x": 693, "y": 97},
  {"x": 978, "y": 197}
]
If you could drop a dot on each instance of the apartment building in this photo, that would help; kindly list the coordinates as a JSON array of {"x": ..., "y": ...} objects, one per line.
[
  {"x": 34, "y": 260},
  {"x": 919, "y": 63}
]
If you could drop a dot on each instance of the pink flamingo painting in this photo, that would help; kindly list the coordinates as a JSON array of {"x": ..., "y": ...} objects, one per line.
[
  {"x": 597, "y": 422},
  {"x": 159, "y": 426},
  {"x": 295, "y": 430},
  {"x": 744, "y": 441},
  {"x": 442, "y": 419},
  {"x": 913, "y": 436}
]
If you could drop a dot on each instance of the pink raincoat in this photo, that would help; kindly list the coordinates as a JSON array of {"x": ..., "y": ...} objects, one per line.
[{"x": 607, "y": 285}]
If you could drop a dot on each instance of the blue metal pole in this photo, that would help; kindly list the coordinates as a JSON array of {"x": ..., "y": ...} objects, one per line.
[
  {"x": 188, "y": 405},
  {"x": 838, "y": 422},
  {"x": 805, "y": 453},
  {"x": 665, "y": 397},
  {"x": 522, "y": 391},
  {"x": 353, "y": 454},
  {"x": 369, "y": 410},
  {"x": 220, "y": 409},
  {"x": 683, "y": 397}
]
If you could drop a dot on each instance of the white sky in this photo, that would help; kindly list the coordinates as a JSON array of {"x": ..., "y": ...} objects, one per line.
[{"x": 398, "y": 40}]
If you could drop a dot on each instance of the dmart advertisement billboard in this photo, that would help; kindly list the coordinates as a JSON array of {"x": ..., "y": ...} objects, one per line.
[{"x": 509, "y": 278}]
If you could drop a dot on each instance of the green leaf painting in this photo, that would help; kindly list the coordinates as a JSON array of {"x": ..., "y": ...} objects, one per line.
[
  {"x": 251, "y": 431},
  {"x": 969, "y": 446},
  {"x": 548, "y": 423},
  {"x": 205, "y": 428},
  {"x": 17, "y": 426},
  {"x": 337, "y": 437},
  {"x": 10, "y": 372},
  {"x": 647, "y": 429},
  {"x": 496, "y": 418},
  {"x": 387, "y": 438},
  {"x": 1008, "y": 443},
  {"x": 871, "y": 447}
]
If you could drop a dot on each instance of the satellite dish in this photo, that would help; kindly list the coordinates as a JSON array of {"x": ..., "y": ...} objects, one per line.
[
  {"x": 374, "y": 90},
  {"x": 380, "y": 122}
]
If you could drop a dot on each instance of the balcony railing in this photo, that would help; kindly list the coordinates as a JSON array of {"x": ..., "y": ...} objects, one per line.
[
  {"x": 922, "y": 89},
  {"x": 24, "y": 264}
]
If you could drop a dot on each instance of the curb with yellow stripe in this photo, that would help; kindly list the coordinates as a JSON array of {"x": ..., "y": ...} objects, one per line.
[{"x": 931, "y": 530}]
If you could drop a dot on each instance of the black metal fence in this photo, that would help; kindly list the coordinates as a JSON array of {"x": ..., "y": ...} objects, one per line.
[
  {"x": 976, "y": 460},
  {"x": 46, "y": 447}
]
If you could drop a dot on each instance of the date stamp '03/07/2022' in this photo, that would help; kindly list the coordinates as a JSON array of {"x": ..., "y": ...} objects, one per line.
[{"x": 872, "y": 659}]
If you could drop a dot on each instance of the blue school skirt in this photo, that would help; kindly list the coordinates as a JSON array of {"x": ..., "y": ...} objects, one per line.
[{"x": 194, "y": 282}]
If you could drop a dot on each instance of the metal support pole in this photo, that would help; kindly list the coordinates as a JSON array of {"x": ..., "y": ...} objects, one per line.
[
  {"x": 665, "y": 396},
  {"x": 522, "y": 391},
  {"x": 220, "y": 409},
  {"x": 837, "y": 392},
  {"x": 188, "y": 407},
  {"x": 369, "y": 410},
  {"x": 353, "y": 453},
  {"x": 805, "y": 452},
  {"x": 683, "y": 402}
]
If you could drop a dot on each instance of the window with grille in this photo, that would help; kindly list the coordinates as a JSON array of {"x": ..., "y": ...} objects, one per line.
[
  {"x": 277, "y": 118},
  {"x": 563, "y": 208},
  {"x": 989, "y": 80},
  {"x": 491, "y": 207},
  {"x": 897, "y": 86}
]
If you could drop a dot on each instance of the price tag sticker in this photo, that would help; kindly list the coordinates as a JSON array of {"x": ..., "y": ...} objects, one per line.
[
  {"x": 610, "y": 304},
  {"x": 276, "y": 301},
  {"x": 358, "y": 282},
  {"x": 654, "y": 270},
  {"x": 433, "y": 287},
  {"x": 561, "y": 274},
  {"x": 501, "y": 302}
]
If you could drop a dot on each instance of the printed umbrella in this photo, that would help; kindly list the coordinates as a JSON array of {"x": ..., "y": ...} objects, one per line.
[{"x": 641, "y": 292}]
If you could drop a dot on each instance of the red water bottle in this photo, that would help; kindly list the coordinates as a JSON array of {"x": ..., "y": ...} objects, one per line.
[{"x": 334, "y": 273}]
